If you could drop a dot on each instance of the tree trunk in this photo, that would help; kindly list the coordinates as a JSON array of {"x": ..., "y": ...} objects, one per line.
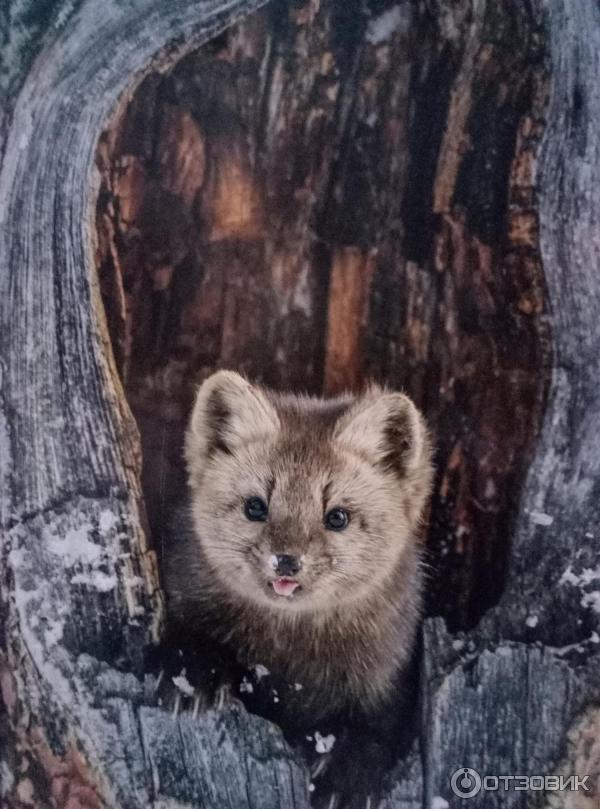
[{"x": 325, "y": 193}]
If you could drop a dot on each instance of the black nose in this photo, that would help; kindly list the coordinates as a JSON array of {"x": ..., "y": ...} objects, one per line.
[{"x": 287, "y": 565}]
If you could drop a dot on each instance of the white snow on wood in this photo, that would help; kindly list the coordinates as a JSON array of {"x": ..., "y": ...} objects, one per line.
[
  {"x": 103, "y": 582},
  {"x": 246, "y": 686},
  {"x": 75, "y": 546},
  {"x": 107, "y": 520},
  {"x": 261, "y": 671},
  {"x": 540, "y": 518},
  {"x": 580, "y": 646},
  {"x": 587, "y": 576},
  {"x": 53, "y": 633},
  {"x": 568, "y": 577},
  {"x": 28, "y": 603},
  {"x": 531, "y": 621},
  {"x": 439, "y": 803},
  {"x": 383, "y": 27},
  {"x": 183, "y": 684},
  {"x": 324, "y": 744},
  {"x": 7, "y": 778},
  {"x": 591, "y": 601}
]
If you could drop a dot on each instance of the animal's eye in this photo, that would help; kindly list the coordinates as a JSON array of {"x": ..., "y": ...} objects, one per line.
[
  {"x": 337, "y": 519},
  {"x": 255, "y": 508}
]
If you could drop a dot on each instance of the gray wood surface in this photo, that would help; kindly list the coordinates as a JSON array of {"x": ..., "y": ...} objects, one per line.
[
  {"x": 79, "y": 584},
  {"x": 520, "y": 693}
]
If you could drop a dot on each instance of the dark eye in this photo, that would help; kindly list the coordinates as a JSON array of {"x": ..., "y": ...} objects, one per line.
[
  {"x": 337, "y": 519},
  {"x": 255, "y": 508}
]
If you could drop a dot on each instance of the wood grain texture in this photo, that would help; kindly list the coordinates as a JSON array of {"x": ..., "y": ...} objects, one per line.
[
  {"x": 349, "y": 286},
  {"x": 457, "y": 144},
  {"x": 520, "y": 693},
  {"x": 80, "y": 598},
  {"x": 408, "y": 137}
]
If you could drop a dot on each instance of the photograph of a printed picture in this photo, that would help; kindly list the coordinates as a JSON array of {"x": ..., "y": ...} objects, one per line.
[{"x": 299, "y": 404}]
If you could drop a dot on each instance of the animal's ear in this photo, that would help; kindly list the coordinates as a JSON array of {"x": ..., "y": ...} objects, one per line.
[
  {"x": 388, "y": 430},
  {"x": 229, "y": 412}
]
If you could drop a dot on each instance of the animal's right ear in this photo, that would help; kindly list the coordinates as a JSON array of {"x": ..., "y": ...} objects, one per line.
[{"x": 229, "y": 412}]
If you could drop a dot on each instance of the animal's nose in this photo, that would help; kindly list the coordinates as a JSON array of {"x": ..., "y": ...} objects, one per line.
[{"x": 287, "y": 565}]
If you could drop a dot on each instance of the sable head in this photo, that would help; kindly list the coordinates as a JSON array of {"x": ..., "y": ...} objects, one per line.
[{"x": 304, "y": 503}]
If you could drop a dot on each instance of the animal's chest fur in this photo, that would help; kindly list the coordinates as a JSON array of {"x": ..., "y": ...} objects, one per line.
[{"x": 337, "y": 662}]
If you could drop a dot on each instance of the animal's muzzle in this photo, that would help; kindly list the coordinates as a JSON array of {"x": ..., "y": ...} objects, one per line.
[{"x": 287, "y": 565}]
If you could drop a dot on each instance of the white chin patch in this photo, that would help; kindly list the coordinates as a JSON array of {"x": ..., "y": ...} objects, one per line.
[{"x": 285, "y": 587}]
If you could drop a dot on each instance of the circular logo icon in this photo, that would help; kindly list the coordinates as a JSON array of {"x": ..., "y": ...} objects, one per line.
[{"x": 465, "y": 782}]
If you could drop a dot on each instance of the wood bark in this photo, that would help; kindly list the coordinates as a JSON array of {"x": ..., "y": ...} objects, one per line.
[
  {"x": 80, "y": 598},
  {"x": 368, "y": 216},
  {"x": 325, "y": 193}
]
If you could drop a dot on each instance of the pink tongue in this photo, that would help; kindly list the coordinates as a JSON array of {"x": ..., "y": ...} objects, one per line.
[{"x": 284, "y": 587}]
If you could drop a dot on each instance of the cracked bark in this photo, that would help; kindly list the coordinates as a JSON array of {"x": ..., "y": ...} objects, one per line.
[{"x": 406, "y": 192}]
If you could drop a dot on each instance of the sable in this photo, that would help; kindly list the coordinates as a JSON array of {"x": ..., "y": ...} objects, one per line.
[{"x": 316, "y": 573}]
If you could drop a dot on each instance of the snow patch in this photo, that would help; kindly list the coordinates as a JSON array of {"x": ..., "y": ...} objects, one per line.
[
  {"x": 381, "y": 28},
  {"x": 53, "y": 633},
  {"x": 107, "y": 521},
  {"x": 324, "y": 744},
  {"x": 531, "y": 621},
  {"x": 134, "y": 581},
  {"x": 540, "y": 518},
  {"x": 586, "y": 577},
  {"x": 261, "y": 671},
  {"x": 7, "y": 779},
  {"x": 246, "y": 687},
  {"x": 183, "y": 684},
  {"x": 30, "y": 601},
  {"x": 591, "y": 601},
  {"x": 439, "y": 803},
  {"x": 75, "y": 546},
  {"x": 103, "y": 582}
]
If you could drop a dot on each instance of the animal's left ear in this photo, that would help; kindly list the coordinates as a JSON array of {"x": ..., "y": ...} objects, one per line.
[{"x": 388, "y": 430}]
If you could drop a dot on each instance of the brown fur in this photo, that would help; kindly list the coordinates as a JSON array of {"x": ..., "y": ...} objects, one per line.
[{"x": 350, "y": 629}]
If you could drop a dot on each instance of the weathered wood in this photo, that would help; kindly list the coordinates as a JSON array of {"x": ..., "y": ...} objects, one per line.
[
  {"x": 520, "y": 693},
  {"x": 80, "y": 601},
  {"x": 350, "y": 280},
  {"x": 333, "y": 191},
  {"x": 411, "y": 165}
]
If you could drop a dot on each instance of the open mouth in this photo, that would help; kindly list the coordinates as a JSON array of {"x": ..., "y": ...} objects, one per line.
[{"x": 284, "y": 586}]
